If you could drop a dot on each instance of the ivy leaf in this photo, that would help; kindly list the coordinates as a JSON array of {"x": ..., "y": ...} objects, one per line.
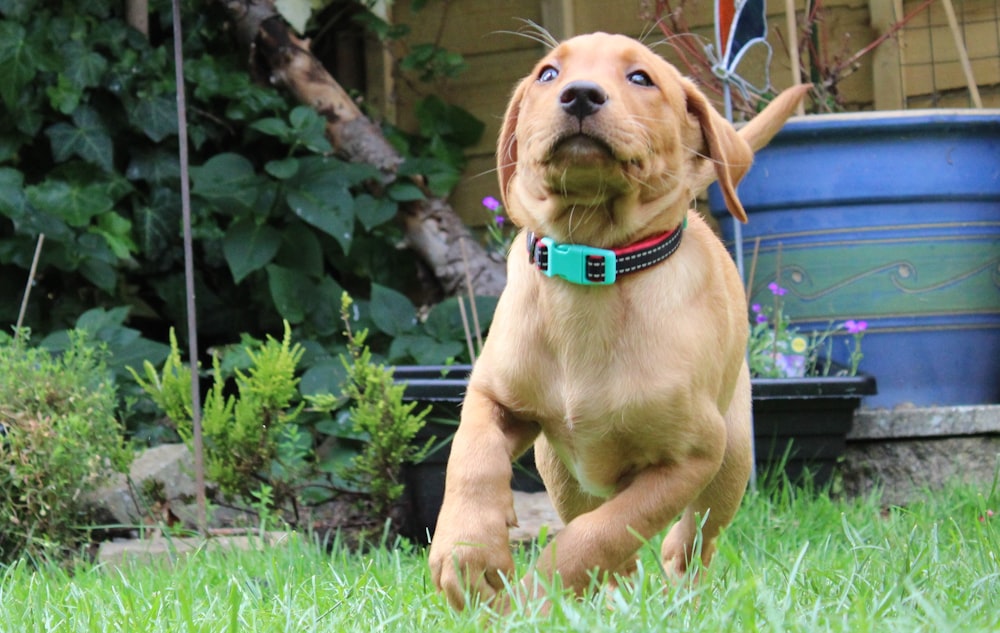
[
  {"x": 117, "y": 232},
  {"x": 226, "y": 178},
  {"x": 157, "y": 224},
  {"x": 28, "y": 220},
  {"x": 17, "y": 62},
  {"x": 76, "y": 204},
  {"x": 154, "y": 166},
  {"x": 87, "y": 138},
  {"x": 83, "y": 68},
  {"x": 156, "y": 117},
  {"x": 372, "y": 211},
  {"x": 248, "y": 246},
  {"x": 391, "y": 311}
]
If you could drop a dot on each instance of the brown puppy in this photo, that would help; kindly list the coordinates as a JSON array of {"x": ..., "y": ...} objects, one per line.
[{"x": 635, "y": 393}]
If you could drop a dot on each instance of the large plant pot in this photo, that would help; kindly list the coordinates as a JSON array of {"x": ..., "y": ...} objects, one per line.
[
  {"x": 800, "y": 424},
  {"x": 893, "y": 218}
]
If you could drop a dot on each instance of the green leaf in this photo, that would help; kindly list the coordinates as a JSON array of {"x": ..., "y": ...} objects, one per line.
[
  {"x": 423, "y": 349},
  {"x": 158, "y": 224},
  {"x": 226, "y": 178},
  {"x": 87, "y": 138},
  {"x": 292, "y": 292},
  {"x": 321, "y": 198},
  {"x": 310, "y": 129},
  {"x": 391, "y": 311},
  {"x": 372, "y": 211},
  {"x": 73, "y": 203},
  {"x": 248, "y": 246},
  {"x": 282, "y": 169},
  {"x": 156, "y": 117},
  {"x": 99, "y": 273},
  {"x": 402, "y": 191},
  {"x": 17, "y": 62},
  {"x": 444, "y": 321},
  {"x": 117, "y": 232},
  {"x": 301, "y": 250},
  {"x": 154, "y": 165},
  {"x": 273, "y": 127},
  {"x": 326, "y": 377},
  {"x": 83, "y": 67},
  {"x": 450, "y": 122}
]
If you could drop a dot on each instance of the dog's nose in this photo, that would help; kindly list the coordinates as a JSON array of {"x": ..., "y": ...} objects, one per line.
[{"x": 582, "y": 98}]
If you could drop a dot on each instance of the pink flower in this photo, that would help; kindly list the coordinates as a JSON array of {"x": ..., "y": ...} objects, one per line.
[
  {"x": 989, "y": 515},
  {"x": 855, "y": 327},
  {"x": 491, "y": 203}
]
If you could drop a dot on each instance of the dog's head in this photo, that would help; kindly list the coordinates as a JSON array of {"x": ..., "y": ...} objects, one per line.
[{"x": 601, "y": 141}]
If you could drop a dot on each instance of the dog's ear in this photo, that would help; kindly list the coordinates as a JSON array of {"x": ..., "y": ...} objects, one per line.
[
  {"x": 727, "y": 150},
  {"x": 507, "y": 143}
]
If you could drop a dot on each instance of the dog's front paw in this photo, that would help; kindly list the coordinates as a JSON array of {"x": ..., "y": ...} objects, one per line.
[{"x": 470, "y": 560}]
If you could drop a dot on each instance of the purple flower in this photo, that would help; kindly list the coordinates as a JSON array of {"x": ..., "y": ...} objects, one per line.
[
  {"x": 855, "y": 327},
  {"x": 491, "y": 203},
  {"x": 761, "y": 318},
  {"x": 756, "y": 308},
  {"x": 775, "y": 289},
  {"x": 499, "y": 220}
]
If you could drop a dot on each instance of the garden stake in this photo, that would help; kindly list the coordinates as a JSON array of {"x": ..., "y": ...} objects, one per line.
[
  {"x": 182, "y": 141},
  {"x": 27, "y": 286}
]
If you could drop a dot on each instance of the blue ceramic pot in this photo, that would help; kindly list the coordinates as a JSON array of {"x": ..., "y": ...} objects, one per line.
[{"x": 893, "y": 218}]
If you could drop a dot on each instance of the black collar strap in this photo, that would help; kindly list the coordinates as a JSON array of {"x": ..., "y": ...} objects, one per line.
[{"x": 586, "y": 265}]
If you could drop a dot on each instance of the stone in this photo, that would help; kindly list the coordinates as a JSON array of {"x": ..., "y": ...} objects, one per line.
[
  {"x": 906, "y": 453},
  {"x": 168, "y": 467}
]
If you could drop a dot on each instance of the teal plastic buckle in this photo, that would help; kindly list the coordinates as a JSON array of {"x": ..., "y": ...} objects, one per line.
[{"x": 569, "y": 261}]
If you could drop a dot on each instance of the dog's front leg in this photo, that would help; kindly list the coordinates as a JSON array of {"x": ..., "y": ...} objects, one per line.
[
  {"x": 607, "y": 538},
  {"x": 470, "y": 548}
]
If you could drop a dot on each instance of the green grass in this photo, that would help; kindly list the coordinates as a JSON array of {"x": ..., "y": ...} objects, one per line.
[{"x": 790, "y": 562}]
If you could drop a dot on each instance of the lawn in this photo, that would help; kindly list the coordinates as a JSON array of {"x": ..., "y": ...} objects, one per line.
[{"x": 790, "y": 562}]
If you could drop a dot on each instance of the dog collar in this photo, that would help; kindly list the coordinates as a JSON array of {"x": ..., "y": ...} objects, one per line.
[{"x": 590, "y": 266}]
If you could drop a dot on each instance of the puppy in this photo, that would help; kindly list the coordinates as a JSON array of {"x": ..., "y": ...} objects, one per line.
[{"x": 618, "y": 345}]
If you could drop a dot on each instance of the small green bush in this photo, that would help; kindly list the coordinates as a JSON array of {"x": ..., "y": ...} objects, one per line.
[{"x": 59, "y": 440}]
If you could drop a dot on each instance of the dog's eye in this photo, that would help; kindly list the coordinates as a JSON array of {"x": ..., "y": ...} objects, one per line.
[
  {"x": 640, "y": 78},
  {"x": 548, "y": 74}
]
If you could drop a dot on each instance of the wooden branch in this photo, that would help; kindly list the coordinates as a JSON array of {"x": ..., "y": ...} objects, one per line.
[{"x": 433, "y": 229}]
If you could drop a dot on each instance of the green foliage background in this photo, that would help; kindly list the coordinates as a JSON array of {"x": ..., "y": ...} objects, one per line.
[{"x": 88, "y": 156}]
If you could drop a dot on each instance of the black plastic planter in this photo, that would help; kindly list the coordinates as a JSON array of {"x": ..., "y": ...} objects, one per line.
[{"x": 800, "y": 424}]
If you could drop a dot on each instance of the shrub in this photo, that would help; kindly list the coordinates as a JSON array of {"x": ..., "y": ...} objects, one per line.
[{"x": 59, "y": 439}]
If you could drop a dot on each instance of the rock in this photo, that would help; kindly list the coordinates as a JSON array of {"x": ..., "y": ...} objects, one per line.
[{"x": 169, "y": 469}]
